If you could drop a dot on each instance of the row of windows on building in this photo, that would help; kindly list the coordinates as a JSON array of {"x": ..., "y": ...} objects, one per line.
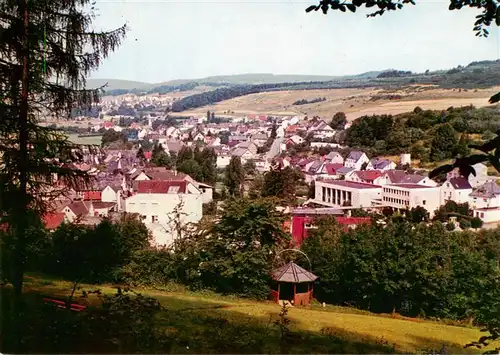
[
  {"x": 396, "y": 200},
  {"x": 396, "y": 192}
]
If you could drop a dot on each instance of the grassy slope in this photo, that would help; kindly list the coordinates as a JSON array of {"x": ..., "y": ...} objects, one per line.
[{"x": 361, "y": 331}]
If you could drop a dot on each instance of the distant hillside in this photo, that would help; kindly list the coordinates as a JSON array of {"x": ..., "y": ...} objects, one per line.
[
  {"x": 114, "y": 84},
  {"x": 119, "y": 87},
  {"x": 480, "y": 74}
]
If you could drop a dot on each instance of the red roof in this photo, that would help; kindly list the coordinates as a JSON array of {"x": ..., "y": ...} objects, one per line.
[
  {"x": 92, "y": 195},
  {"x": 351, "y": 184},
  {"x": 53, "y": 220},
  {"x": 148, "y": 155},
  {"x": 109, "y": 124},
  {"x": 368, "y": 175},
  {"x": 292, "y": 128},
  {"x": 331, "y": 169},
  {"x": 161, "y": 187}
]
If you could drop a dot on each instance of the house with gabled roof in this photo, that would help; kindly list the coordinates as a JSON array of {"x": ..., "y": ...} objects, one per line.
[
  {"x": 164, "y": 205},
  {"x": 313, "y": 170},
  {"x": 380, "y": 164},
  {"x": 486, "y": 196},
  {"x": 367, "y": 176},
  {"x": 456, "y": 189},
  {"x": 356, "y": 159},
  {"x": 401, "y": 177},
  {"x": 334, "y": 158}
]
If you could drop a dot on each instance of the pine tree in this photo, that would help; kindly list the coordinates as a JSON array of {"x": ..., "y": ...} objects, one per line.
[{"x": 47, "y": 49}]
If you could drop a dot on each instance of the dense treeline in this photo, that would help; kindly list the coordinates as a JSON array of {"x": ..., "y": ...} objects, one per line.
[
  {"x": 394, "y": 74},
  {"x": 305, "y": 102},
  {"x": 227, "y": 93},
  {"x": 428, "y": 135},
  {"x": 410, "y": 269},
  {"x": 162, "y": 89}
]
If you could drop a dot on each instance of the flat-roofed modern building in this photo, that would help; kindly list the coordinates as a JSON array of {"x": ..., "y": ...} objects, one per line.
[{"x": 335, "y": 193}]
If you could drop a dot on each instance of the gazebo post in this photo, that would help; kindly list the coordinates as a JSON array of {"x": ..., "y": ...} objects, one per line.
[
  {"x": 294, "y": 291},
  {"x": 278, "y": 292}
]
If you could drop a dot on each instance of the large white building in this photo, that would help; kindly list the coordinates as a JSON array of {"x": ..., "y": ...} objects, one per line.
[
  {"x": 402, "y": 196},
  {"x": 334, "y": 193},
  {"x": 164, "y": 206}
]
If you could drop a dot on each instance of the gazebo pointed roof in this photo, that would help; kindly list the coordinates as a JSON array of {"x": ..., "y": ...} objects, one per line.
[{"x": 292, "y": 273}]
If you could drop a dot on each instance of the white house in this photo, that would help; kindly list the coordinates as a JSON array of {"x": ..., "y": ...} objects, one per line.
[
  {"x": 381, "y": 164},
  {"x": 486, "y": 196},
  {"x": 334, "y": 193},
  {"x": 489, "y": 216},
  {"x": 356, "y": 159},
  {"x": 455, "y": 189},
  {"x": 321, "y": 129},
  {"x": 164, "y": 205},
  {"x": 375, "y": 177},
  {"x": 334, "y": 158},
  {"x": 402, "y": 196}
]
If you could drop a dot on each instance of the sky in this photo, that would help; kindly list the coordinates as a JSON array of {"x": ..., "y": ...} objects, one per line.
[{"x": 187, "y": 39}]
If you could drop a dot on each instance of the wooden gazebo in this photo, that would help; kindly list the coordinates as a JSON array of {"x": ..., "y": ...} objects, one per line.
[{"x": 293, "y": 284}]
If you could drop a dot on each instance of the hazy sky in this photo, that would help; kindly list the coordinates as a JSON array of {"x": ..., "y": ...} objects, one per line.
[{"x": 192, "y": 39}]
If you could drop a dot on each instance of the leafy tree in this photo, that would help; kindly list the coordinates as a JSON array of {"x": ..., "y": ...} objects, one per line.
[
  {"x": 418, "y": 214},
  {"x": 185, "y": 153},
  {"x": 444, "y": 142},
  {"x": 282, "y": 183},
  {"x": 452, "y": 209},
  {"x": 249, "y": 167},
  {"x": 339, "y": 120},
  {"x": 234, "y": 177},
  {"x": 255, "y": 190},
  {"x": 160, "y": 158},
  {"x": 207, "y": 161},
  {"x": 462, "y": 147},
  {"x": 111, "y": 136},
  {"x": 464, "y": 223},
  {"x": 235, "y": 254},
  {"x": 476, "y": 223},
  {"x": 489, "y": 12},
  {"x": 191, "y": 168}
]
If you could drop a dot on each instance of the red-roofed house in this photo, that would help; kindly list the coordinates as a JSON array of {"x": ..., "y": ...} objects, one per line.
[
  {"x": 53, "y": 220},
  {"x": 367, "y": 176},
  {"x": 329, "y": 170},
  {"x": 148, "y": 155},
  {"x": 163, "y": 203}
]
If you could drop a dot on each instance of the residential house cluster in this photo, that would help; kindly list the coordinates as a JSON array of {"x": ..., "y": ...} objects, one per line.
[{"x": 164, "y": 199}]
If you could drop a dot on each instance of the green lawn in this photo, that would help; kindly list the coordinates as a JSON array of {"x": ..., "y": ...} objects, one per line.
[{"x": 331, "y": 329}]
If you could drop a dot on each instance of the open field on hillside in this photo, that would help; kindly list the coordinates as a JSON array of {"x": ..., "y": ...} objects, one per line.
[
  {"x": 359, "y": 331},
  {"x": 96, "y": 140},
  {"x": 354, "y": 102}
]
